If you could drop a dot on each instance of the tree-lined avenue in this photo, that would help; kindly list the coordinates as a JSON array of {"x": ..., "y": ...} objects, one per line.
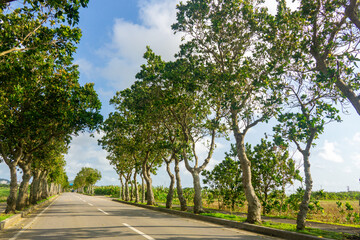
[{"x": 75, "y": 216}]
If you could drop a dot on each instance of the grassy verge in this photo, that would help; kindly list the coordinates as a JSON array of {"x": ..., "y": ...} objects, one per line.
[
  {"x": 225, "y": 216},
  {"x": 284, "y": 226},
  {"x": 4, "y": 216},
  {"x": 311, "y": 231}
]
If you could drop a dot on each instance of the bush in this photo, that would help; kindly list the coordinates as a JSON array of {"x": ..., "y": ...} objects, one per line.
[{"x": 107, "y": 190}]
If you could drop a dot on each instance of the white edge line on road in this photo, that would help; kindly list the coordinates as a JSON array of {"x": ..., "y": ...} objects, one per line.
[
  {"x": 103, "y": 211},
  {"x": 139, "y": 232},
  {"x": 29, "y": 224},
  {"x": 90, "y": 204}
]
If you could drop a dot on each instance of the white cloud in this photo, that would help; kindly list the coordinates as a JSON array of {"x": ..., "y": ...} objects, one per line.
[
  {"x": 272, "y": 5},
  {"x": 348, "y": 169},
  {"x": 356, "y": 138},
  {"x": 329, "y": 152},
  {"x": 356, "y": 160},
  {"x": 86, "y": 67},
  {"x": 129, "y": 41},
  {"x": 85, "y": 152}
]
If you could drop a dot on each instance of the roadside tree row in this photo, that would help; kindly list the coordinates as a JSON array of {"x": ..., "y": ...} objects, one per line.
[
  {"x": 238, "y": 68},
  {"x": 42, "y": 103}
]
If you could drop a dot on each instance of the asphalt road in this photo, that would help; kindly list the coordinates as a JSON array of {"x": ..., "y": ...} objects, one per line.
[{"x": 75, "y": 216}]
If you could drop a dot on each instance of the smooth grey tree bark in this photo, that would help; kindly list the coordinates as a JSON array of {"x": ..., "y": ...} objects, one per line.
[
  {"x": 24, "y": 185},
  {"x": 182, "y": 200},
  {"x": 254, "y": 205},
  {"x": 170, "y": 195}
]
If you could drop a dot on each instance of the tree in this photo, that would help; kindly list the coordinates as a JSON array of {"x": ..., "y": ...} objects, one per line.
[
  {"x": 47, "y": 160},
  {"x": 134, "y": 128},
  {"x": 225, "y": 180},
  {"x": 302, "y": 122},
  {"x": 328, "y": 44},
  {"x": 180, "y": 98},
  {"x": 38, "y": 77},
  {"x": 29, "y": 118},
  {"x": 271, "y": 169},
  {"x": 227, "y": 37},
  {"x": 32, "y": 25},
  {"x": 87, "y": 177}
]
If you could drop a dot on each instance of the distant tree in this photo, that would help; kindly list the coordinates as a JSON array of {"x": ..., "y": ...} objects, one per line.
[
  {"x": 272, "y": 169},
  {"x": 225, "y": 181},
  {"x": 87, "y": 177}
]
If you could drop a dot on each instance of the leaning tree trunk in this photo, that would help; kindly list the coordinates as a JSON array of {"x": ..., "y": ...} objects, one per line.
[
  {"x": 254, "y": 205},
  {"x": 11, "y": 200},
  {"x": 150, "y": 200},
  {"x": 198, "y": 206},
  {"x": 23, "y": 190},
  {"x": 170, "y": 195},
  {"x": 304, "y": 205},
  {"x": 182, "y": 200}
]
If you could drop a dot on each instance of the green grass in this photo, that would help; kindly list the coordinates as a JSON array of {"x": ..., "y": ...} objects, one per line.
[
  {"x": 284, "y": 226},
  {"x": 4, "y": 216},
  {"x": 225, "y": 216},
  {"x": 337, "y": 224},
  {"x": 4, "y": 193},
  {"x": 310, "y": 231}
]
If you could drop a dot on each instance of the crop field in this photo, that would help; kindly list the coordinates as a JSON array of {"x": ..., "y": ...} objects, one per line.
[{"x": 329, "y": 211}]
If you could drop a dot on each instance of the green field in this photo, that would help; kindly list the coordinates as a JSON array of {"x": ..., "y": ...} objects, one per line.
[{"x": 4, "y": 193}]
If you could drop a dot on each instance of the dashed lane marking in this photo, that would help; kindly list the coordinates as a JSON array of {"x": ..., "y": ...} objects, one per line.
[
  {"x": 139, "y": 232},
  {"x": 103, "y": 211}
]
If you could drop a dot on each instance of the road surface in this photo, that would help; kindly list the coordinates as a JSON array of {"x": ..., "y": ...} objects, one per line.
[{"x": 75, "y": 216}]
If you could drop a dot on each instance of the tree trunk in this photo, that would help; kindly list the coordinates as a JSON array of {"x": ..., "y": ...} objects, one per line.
[
  {"x": 44, "y": 186},
  {"x": 142, "y": 189},
  {"x": 198, "y": 207},
  {"x": 34, "y": 188},
  {"x": 127, "y": 198},
  {"x": 11, "y": 200},
  {"x": 136, "y": 190},
  {"x": 170, "y": 195},
  {"x": 304, "y": 205},
  {"x": 22, "y": 199},
  {"x": 131, "y": 191},
  {"x": 182, "y": 200},
  {"x": 149, "y": 193},
  {"x": 121, "y": 193},
  {"x": 254, "y": 205}
]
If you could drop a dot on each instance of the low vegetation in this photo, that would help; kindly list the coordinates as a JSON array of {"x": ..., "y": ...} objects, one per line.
[{"x": 4, "y": 192}]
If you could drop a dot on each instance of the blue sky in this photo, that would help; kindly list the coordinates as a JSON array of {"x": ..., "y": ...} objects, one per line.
[{"x": 115, "y": 36}]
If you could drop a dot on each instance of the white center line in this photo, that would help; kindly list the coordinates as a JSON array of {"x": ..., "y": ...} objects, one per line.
[
  {"x": 90, "y": 204},
  {"x": 139, "y": 232},
  {"x": 103, "y": 211}
]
